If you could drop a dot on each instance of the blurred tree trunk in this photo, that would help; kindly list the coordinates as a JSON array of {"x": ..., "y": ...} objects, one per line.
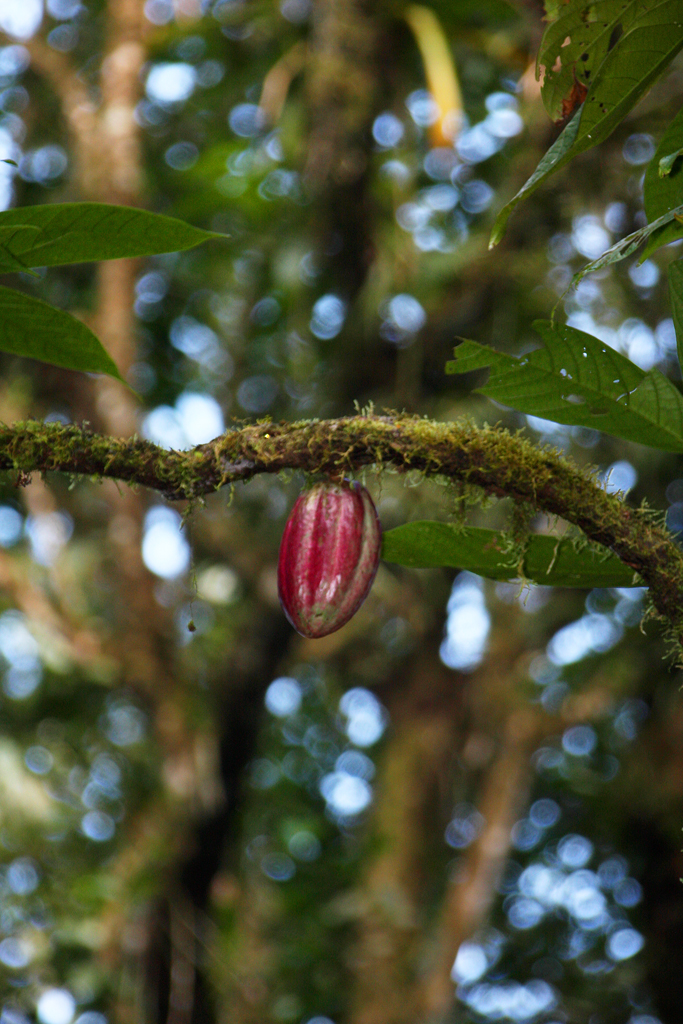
[
  {"x": 399, "y": 976},
  {"x": 426, "y": 722},
  {"x": 107, "y": 144}
]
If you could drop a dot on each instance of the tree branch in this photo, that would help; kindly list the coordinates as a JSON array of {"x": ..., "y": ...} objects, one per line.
[{"x": 490, "y": 458}]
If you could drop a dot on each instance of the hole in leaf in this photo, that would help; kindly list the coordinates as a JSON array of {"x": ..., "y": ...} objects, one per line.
[
  {"x": 617, "y": 33},
  {"x": 574, "y": 399}
]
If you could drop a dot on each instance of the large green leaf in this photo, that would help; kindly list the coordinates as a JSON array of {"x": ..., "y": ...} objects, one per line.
[
  {"x": 42, "y": 236},
  {"x": 562, "y": 150},
  {"x": 29, "y": 327},
  {"x": 627, "y": 245},
  {"x": 636, "y": 60},
  {"x": 638, "y": 57},
  {"x": 576, "y": 43},
  {"x": 663, "y": 192},
  {"x": 676, "y": 292},
  {"x": 546, "y": 560},
  {"x": 577, "y": 379},
  {"x": 12, "y": 235}
]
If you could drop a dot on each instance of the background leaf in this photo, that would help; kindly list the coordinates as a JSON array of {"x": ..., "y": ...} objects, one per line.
[
  {"x": 627, "y": 245},
  {"x": 675, "y": 273},
  {"x": 636, "y": 60},
  {"x": 662, "y": 194},
  {"x": 547, "y": 560},
  {"x": 84, "y": 232},
  {"x": 577, "y": 379},
  {"x": 29, "y": 327}
]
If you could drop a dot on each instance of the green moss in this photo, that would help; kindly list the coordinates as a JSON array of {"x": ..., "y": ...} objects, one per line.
[{"x": 482, "y": 462}]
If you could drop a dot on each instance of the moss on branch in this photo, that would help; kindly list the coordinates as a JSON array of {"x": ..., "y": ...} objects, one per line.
[{"x": 500, "y": 463}]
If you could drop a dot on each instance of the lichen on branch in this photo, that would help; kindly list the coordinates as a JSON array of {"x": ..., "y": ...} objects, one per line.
[{"x": 500, "y": 463}]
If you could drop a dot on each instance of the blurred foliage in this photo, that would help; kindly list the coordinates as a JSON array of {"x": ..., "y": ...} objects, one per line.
[{"x": 232, "y": 824}]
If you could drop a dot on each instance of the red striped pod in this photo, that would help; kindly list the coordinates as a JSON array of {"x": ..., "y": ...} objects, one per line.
[{"x": 329, "y": 556}]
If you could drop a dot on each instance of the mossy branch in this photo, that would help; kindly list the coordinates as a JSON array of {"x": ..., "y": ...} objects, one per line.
[{"x": 500, "y": 463}]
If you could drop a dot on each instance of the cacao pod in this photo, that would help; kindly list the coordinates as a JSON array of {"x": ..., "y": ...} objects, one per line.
[{"x": 329, "y": 556}]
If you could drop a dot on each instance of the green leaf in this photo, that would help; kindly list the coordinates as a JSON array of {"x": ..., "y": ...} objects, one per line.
[
  {"x": 552, "y": 9},
  {"x": 576, "y": 43},
  {"x": 20, "y": 234},
  {"x": 62, "y": 233},
  {"x": 29, "y": 327},
  {"x": 578, "y": 380},
  {"x": 676, "y": 292},
  {"x": 666, "y": 164},
  {"x": 636, "y": 60},
  {"x": 663, "y": 193},
  {"x": 627, "y": 245},
  {"x": 547, "y": 560},
  {"x": 557, "y": 156}
]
